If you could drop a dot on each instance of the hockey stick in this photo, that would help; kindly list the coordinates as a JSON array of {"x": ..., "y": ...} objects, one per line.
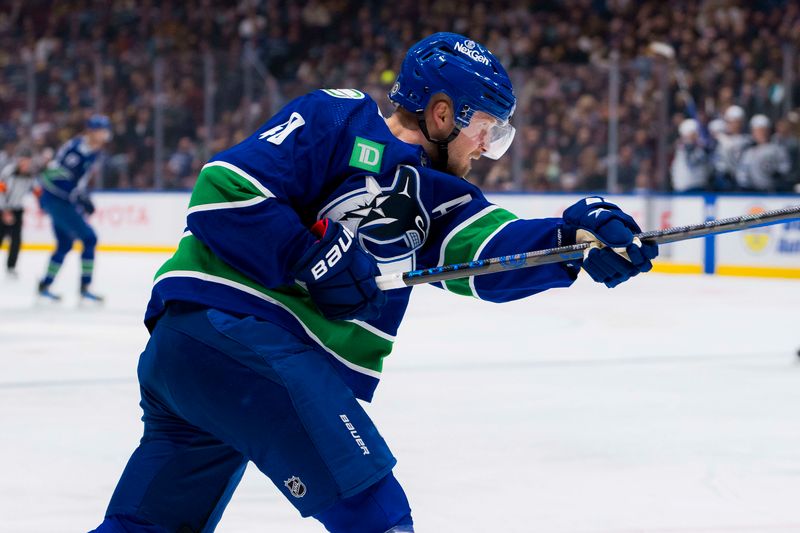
[{"x": 575, "y": 252}]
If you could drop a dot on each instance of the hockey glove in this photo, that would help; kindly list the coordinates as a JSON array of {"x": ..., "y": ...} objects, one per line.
[
  {"x": 339, "y": 275},
  {"x": 84, "y": 203},
  {"x": 618, "y": 256}
]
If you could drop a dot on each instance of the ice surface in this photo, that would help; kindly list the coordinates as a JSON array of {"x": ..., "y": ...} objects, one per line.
[{"x": 669, "y": 404}]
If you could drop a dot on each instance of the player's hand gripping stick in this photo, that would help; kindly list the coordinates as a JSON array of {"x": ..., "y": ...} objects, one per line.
[
  {"x": 339, "y": 275},
  {"x": 615, "y": 254}
]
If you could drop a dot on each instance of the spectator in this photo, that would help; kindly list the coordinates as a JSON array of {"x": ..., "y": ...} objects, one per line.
[
  {"x": 732, "y": 52},
  {"x": 181, "y": 165}
]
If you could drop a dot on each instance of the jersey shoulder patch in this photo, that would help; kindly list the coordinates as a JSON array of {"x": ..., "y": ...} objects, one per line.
[{"x": 348, "y": 94}]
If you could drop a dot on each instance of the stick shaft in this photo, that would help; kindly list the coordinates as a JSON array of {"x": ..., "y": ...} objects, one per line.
[{"x": 575, "y": 252}]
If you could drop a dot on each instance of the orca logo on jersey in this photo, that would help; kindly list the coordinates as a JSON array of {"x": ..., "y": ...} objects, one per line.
[
  {"x": 296, "y": 487},
  {"x": 391, "y": 223}
]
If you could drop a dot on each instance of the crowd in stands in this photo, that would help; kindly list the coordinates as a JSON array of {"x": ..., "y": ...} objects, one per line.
[{"x": 74, "y": 57}]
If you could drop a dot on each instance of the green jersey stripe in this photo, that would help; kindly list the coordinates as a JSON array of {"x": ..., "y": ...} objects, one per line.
[
  {"x": 225, "y": 186},
  {"x": 466, "y": 240},
  {"x": 486, "y": 241},
  {"x": 224, "y": 281},
  {"x": 358, "y": 347},
  {"x": 446, "y": 241},
  {"x": 375, "y": 331},
  {"x": 233, "y": 168}
]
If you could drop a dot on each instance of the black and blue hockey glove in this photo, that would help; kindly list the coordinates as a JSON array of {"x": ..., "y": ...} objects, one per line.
[
  {"x": 339, "y": 275},
  {"x": 84, "y": 203},
  {"x": 619, "y": 256}
]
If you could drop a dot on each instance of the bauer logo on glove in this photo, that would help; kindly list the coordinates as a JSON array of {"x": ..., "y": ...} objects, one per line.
[
  {"x": 334, "y": 253},
  {"x": 339, "y": 275}
]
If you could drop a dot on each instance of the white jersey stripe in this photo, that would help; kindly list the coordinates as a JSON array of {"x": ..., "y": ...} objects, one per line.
[{"x": 225, "y": 205}]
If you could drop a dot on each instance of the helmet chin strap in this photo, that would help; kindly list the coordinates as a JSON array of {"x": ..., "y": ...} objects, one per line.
[{"x": 440, "y": 163}]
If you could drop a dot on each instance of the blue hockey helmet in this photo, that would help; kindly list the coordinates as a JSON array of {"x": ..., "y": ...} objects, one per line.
[
  {"x": 98, "y": 122},
  {"x": 466, "y": 72}
]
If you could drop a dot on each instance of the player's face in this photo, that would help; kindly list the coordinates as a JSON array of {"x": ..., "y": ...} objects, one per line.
[
  {"x": 99, "y": 137},
  {"x": 461, "y": 151},
  {"x": 24, "y": 164},
  {"x": 485, "y": 135},
  {"x": 761, "y": 134}
]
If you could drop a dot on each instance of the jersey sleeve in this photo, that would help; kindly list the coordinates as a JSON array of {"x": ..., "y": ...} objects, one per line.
[
  {"x": 246, "y": 225},
  {"x": 472, "y": 228},
  {"x": 252, "y": 204}
]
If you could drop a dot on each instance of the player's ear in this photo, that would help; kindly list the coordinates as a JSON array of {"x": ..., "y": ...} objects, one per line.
[{"x": 441, "y": 115}]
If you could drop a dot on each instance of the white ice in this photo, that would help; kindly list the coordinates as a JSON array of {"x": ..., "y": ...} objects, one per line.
[{"x": 669, "y": 404}]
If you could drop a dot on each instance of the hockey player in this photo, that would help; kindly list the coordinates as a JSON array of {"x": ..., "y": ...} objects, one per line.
[
  {"x": 729, "y": 147},
  {"x": 65, "y": 198},
  {"x": 764, "y": 165},
  {"x": 267, "y": 323},
  {"x": 691, "y": 166},
  {"x": 16, "y": 180}
]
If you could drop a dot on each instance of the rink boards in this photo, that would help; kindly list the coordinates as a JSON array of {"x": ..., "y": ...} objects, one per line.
[{"x": 153, "y": 222}]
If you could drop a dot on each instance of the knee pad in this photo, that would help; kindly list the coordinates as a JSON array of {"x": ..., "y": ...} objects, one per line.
[{"x": 380, "y": 508}]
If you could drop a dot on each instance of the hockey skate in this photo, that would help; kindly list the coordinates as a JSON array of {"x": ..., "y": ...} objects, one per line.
[
  {"x": 44, "y": 292},
  {"x": 87, "y": 296}
]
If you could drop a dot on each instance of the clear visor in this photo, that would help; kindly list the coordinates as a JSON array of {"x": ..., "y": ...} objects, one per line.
[{"x": 493, "y": 135}]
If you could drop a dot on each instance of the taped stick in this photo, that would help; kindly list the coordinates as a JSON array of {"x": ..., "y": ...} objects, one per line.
[{"x": 575, "y": 252}]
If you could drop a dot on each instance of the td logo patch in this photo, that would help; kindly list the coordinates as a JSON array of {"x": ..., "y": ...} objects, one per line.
[
  {"x": 296, "y": 487},
  {"x": 366, "y": 155}
]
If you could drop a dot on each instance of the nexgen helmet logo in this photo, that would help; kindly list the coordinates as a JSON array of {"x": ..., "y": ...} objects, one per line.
[{"x": 471, "y": 53}]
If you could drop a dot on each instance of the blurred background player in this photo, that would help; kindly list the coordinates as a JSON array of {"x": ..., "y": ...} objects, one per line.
[
  {"x": 785, "y": 136},
  {"x": 16, "y": 180},
  {"x": 764, "y": 165},
  {"x": 245, "y": 364},
  {"x": 65, "y": 197},
  {"x": 730, "y": 146},
  {"x": 691, "y": 166}
]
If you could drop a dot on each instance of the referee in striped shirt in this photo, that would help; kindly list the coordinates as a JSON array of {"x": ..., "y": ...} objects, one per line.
[{"x": 16, "y": 180}]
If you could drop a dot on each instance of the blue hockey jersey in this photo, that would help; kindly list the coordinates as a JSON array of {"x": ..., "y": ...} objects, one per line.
[
  {"x": 330, "y": 154},
  {"x": 68, "y": 173}
]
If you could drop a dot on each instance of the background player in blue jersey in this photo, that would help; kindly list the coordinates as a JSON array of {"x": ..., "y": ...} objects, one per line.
[
  {"x": 65, "y": 197},
  {"x": 267, "y": 324}
]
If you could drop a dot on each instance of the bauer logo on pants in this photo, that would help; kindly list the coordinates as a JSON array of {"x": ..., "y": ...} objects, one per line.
[{"x": 296, "y": 487}]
